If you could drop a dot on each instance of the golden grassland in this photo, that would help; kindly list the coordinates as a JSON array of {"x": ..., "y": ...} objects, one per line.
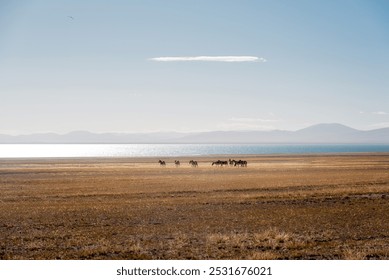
[{"x": 279, "y": 207}]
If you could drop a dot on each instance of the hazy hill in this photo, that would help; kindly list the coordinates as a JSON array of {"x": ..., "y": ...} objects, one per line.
[{"x": 321, "y": 133}]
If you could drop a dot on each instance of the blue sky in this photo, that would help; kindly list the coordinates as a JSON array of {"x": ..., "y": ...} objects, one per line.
[{"x": 88, "y": 65}]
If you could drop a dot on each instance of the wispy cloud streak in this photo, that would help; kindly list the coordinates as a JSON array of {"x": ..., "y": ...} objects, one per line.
[
  {"x": 380, "y": 125},
  {"x": 249, "y": 123},
  {"x": 209, "y": 58},
  {"x": 251, "y": 120}
]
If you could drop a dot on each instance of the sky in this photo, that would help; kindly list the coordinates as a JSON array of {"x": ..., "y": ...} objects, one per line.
[{"x": 186, "y": 66}]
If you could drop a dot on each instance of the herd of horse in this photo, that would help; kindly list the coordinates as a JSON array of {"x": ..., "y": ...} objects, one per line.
[
  {"x": 231, "y": 162},
  {"x": 193, "y": 163}
]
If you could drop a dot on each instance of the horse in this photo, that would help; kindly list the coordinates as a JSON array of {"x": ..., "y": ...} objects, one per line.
[
  {"x": 162, "y": 163},
  {"x": 241, "y": 163},
  {"x": 193, "y": 163},
  {"x": 177, "y": 163},
  {"x": 219, "y": 162}
]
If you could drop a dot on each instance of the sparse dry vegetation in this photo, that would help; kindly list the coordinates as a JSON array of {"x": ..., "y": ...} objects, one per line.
[{"x": 279, "y": 207}]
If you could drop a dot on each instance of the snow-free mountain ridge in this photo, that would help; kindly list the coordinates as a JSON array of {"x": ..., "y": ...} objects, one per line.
[{"x": 320, "y": 133}]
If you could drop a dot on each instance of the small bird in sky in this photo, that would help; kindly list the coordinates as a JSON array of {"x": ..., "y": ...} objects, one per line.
[{"x": 71, "y": 17}]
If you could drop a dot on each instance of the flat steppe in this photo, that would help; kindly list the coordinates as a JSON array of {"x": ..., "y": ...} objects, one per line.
[{"x": 278, "y": 207}]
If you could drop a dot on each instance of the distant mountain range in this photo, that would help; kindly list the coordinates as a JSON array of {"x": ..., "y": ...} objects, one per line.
[{"x": 320, "y": 133}]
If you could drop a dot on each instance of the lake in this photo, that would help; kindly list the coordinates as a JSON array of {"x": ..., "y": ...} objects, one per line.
[{"x": 171, "y": 150}]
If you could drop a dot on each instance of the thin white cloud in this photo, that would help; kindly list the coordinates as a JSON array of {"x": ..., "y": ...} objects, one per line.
[
  {"x": 209, "y": 58},
  {"x": 380, "y": 113}
]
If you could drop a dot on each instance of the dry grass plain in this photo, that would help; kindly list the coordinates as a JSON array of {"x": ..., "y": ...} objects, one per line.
[{"x": 279, "y": 207}]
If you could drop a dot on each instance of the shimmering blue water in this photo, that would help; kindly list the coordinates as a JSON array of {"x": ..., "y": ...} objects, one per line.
[{"x": 159, "y": 150}]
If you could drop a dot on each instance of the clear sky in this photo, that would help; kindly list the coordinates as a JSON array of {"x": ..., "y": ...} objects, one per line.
[{"x": 134, "y": 66}]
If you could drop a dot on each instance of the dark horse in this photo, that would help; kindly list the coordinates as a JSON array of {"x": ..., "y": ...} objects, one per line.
[
  {"x": 162, "y": 163},
  {"x": 241, "y": 163},
  {"x": 219, "y": 162},
  {"x": 177, "y": 163},
  {"x": 193, "y": 163}
]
